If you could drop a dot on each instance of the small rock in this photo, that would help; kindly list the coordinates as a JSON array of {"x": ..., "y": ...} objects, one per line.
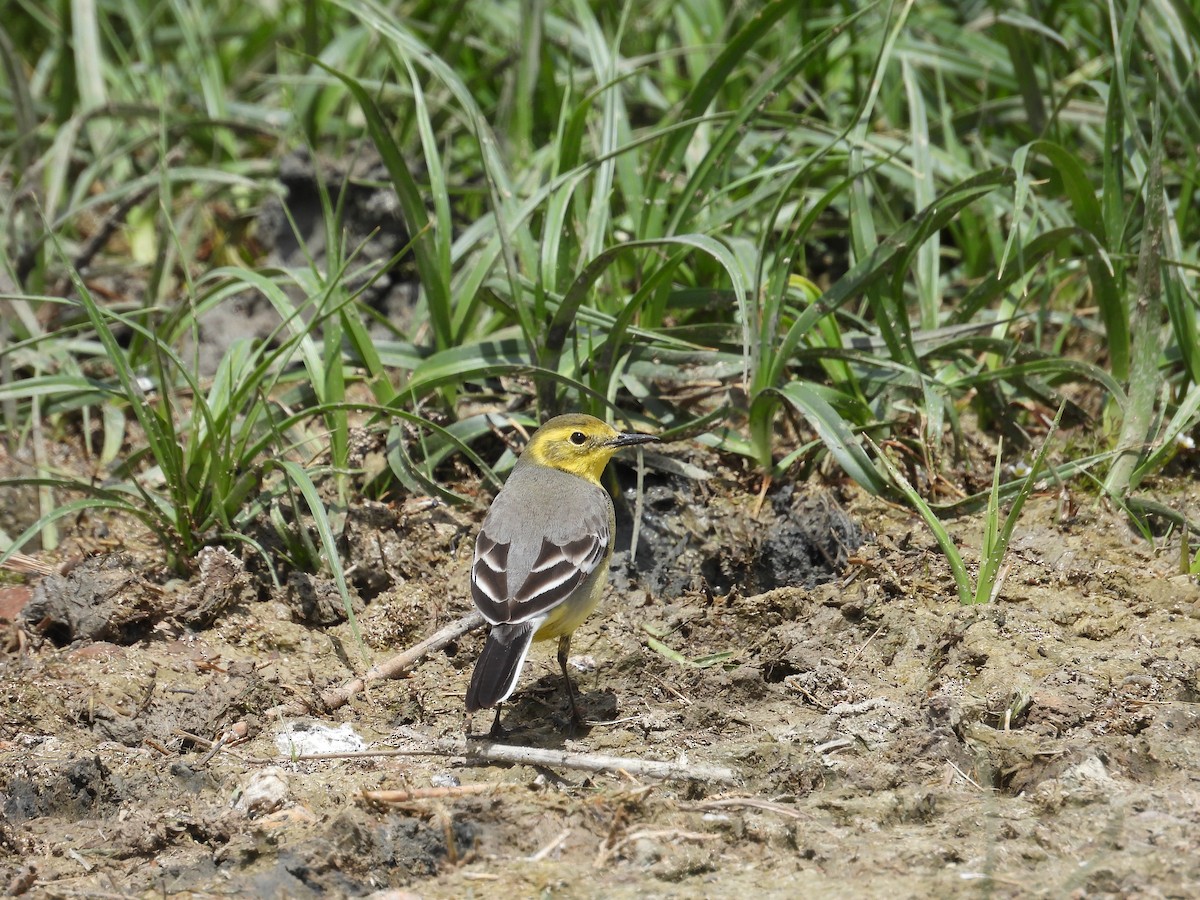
[
  {"x": 1090, "y": 773},
  {"x": 265, "y": 792}
]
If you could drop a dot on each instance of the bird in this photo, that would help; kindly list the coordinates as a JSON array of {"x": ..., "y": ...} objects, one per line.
[{"x": 542, "y": 554}]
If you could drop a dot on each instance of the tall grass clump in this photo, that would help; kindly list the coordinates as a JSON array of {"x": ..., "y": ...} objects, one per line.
[{"x": 802, "y": 235}]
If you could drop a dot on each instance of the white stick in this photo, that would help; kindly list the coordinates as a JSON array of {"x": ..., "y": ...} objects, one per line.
[{"x": 489, "y": 751}]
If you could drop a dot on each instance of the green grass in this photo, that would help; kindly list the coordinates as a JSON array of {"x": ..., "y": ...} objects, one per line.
[{"x": 857, "y": 228}]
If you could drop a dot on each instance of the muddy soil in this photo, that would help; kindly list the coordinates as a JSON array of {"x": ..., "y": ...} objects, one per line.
[{"x": 884, "y": 740}]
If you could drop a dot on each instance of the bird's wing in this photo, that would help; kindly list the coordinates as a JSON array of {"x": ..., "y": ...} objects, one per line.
[
  {"x": 489, "y": 577},
  {"x": 532, "y": 572}
]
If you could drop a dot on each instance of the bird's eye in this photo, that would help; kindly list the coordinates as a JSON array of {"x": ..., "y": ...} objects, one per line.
[{"x": 578, "y": 438}]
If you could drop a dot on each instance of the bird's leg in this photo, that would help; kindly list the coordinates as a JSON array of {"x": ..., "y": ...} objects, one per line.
[
  {"x": 564, "y": 650},
  {"x": 497, "y": 730}
]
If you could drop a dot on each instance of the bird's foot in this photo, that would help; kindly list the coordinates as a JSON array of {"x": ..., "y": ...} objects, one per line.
[{"x": 497, "y": 731}]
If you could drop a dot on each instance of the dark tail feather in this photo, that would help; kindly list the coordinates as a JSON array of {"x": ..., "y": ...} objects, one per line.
[{"x": 499, "y": 665}]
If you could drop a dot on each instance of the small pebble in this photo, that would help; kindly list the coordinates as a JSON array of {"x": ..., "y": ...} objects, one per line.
[{"x": 264, "y": 792}]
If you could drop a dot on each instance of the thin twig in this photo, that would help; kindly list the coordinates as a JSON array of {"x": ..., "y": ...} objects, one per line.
[
  {"x": 964, "y": 775},
  {"x": 405, "y": 795},
  {"x": 762, "y": 496},
  {"x": 394, "y": 668},
  {"x": 402, "y": 663},
  {"x": 194, "y": 738},
  {"x": 638, "y": 504},
  {"x": 27, "y": 565},
  {"x": 235, "y": 734},
  {"x": 860, "y": 650},
  {"x": 359, "y": 754},
  {"x": 747, "y": 803},
  {"x": 550, "y": 847},
  {"x": 490, "y": 751},
  {"x": 482, "y": 751}
]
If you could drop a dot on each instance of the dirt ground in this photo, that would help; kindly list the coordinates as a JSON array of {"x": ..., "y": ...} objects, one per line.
[{"x": 884, "y": 741}]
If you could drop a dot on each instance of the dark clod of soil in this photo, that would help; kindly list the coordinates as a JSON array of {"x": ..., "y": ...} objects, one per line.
[
  {"x": 694, "y": 534},
  {"x": 101, "y": 599},
  {"x": 314, "y": 600}
]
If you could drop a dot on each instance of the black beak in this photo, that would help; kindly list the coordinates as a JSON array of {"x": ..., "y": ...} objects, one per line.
[{"x": 630, "y": 440}]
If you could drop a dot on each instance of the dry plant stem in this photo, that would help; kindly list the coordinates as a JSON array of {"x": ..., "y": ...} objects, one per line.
[
  {"x": 235, "y": 734},
  {"x": 638, "y": 504},
  {"x": 359, "y": 754},
  {"x": 747, "y": 803},
  {"x": 490, "y": 751},
  {"x": 395, "y": 667},
  {"x": 1145, "y": 320},
  {"x": 28, "y": 565},
  {"x": 402, "y": 663},
  {"x": 762, "y": 496},
  {"x": 45, "y": 493},
  {"x": 483, "y": 751},
  {"x": 550, "y": 847},
  {"x": 437, "y": 793},
  {"x": 8, "y": 407}
]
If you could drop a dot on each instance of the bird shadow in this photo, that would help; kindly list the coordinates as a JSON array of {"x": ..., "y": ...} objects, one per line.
[{"x": 540, "y": 715}]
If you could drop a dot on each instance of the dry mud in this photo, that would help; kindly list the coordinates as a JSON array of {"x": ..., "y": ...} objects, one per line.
[{"x": 885, "y": 741}]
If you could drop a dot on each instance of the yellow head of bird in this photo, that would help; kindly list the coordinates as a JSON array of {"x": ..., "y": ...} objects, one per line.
[{"x": 579, "y": 444}]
